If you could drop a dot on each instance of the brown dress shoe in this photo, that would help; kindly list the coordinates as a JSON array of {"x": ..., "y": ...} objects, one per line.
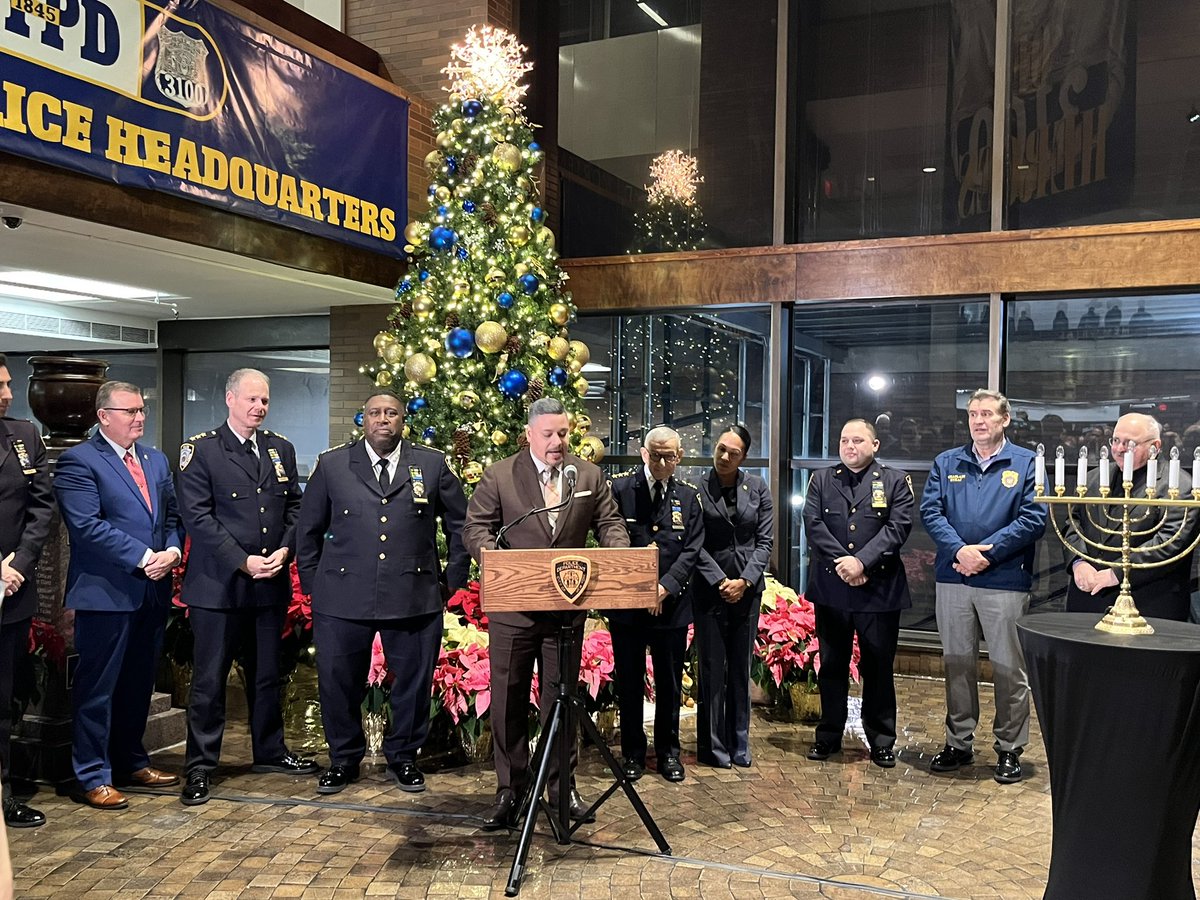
[
  {"x": 104, "y": 797},
  {"x": 151, "y": 777}
]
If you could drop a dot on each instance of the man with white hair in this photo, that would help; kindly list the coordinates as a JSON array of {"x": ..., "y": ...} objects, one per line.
[
  {"x": 1161, "y": 592},
  {"x": 664, "y": 511}
]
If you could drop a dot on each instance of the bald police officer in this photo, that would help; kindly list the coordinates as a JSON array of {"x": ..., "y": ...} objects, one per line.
[
  {"x": 857, "y": 517},
  {"x": 368, "y": 554}
]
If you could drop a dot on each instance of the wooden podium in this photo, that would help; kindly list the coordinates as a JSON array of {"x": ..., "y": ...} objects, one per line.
[{"x": 568, "y": 580}]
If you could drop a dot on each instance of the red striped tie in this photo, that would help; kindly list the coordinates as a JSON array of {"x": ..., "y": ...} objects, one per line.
[{"x": 139, "y": 477}]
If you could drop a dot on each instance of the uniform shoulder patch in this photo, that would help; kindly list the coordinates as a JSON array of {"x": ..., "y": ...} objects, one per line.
[
  {"x": 687, "y": 484},
  {"x": 282, "y": 437},
  {"x": 625, "y": 474},
  {"x": 334, "y": 447},
  {"x": 186, "y": 452}
]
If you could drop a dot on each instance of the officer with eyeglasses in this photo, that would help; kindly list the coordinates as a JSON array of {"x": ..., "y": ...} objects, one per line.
[{"x": 1160, "y": 592}]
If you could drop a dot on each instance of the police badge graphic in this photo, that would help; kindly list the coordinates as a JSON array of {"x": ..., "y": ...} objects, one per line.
[
  {"x": 179, "y": 71},
  {"x": 570, "y": 576}
]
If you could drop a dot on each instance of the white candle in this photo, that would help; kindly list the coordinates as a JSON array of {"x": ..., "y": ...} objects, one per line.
[
  {"x": 1173, "y": 470},
  {"x": 1060, "y": 469},
  {"x": 1082, "y": 472},
  {"x": 1039, "y": 467},
  {"x": 1127, "y": 469},
  {"x": 1196, "y": 468},
  {"x": 1104, "y": 467},
  {"x": 1152, "y": 473}
]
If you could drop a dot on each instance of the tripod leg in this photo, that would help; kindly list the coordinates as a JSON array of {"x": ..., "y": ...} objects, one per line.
[
  {"x": 644, "y": 814},
  {"x": 545, "y": 748}
]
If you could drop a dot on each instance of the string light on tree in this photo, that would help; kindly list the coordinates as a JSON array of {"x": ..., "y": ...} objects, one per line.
[{"x": 672, "y": 220}]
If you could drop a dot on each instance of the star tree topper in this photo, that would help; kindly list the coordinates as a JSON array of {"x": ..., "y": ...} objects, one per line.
[{"x": 488, "y": 63}]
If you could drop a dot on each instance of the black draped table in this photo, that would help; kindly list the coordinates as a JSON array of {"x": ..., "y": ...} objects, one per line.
[{"x": 1120, "y": 717}]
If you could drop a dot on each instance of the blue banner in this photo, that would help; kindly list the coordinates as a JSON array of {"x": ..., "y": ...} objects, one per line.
[{"x": 189, "y": 99}]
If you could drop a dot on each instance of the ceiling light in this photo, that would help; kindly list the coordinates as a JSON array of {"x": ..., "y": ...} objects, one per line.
[
  {"x": 645, "y": 7},
  {"x": 21, "y": 292},
  {"x": 64, "y": 284},
  {"x": 877, "y": 383}
]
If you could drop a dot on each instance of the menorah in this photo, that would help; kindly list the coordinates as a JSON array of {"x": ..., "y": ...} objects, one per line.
[{"x": 1123, "y": 617}]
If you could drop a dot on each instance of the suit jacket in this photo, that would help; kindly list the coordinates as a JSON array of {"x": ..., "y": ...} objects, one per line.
[
  {"x": 871, "y": 523},
  {"x": 510, "y": 488},
  {"x": 1162, "y": 592},
  {"x": 110, "y": 527},
  {"x": 677, "y": 530},
  {"x": 26, "y": 506},
  {"x": 366, "y": 553},
  {"x": 235, "y": 505},
  {"x": 734, "y": 547}
]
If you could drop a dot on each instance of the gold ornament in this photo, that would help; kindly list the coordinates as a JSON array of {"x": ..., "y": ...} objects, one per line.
[
  {"x": 445, "y": 140},
  {"x": 409, "y": 248},
  {"x": 461, "y": 289},
  {"x": 539, "y": 340},
  {"x": 433, "y": 160},
  {"x": 591, "y": 448},
  {"x": 524, "y": 184},
  {"x": 420, "y": 368},
  {"x": 491, "y": 337},
  {"x": 580, "y": 351},
  {"x": 507, "y": 113},
  {"x": 583, "y": 423},
  {"x": 560, "y": 313},
  {"x": 383, "y": 378},
  {"x": 494, "y": 276},
  {"x": 518, "y": 235},
  {"x": 462, "y": 191},
  {"x": 520, "y": 269},
  {"x": 423, "y": 305},
  {"x": 574, "y": 366},
  {"x": 507, "y": 156},
  {"x": 557, "y": 348},
  {"x": 442, "y": 194},
  {"x": 393, "y": 353},
  {"x": 472, "y": 472},
  {"x": 545, "y": 237},
  {"x": 414, "y": 232},
  {"x": 455, "y": 99},
  {"x": 467, "y": 399},
  {"x": 457, "y": 126},
  {"x": 382, "y": 340},
  {"x": 581, "y": 386},
  {"x": 499, "y": 438},
  {"x": 405, "y": 432}
]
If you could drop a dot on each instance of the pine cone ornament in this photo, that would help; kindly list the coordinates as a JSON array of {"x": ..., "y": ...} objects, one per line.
[
  {"x": 513, "y": 346},
  {"x": 452, "y": 320},
  {"x": 488, "y": 211},
  {"x": 462, "y": 442},
  {"x": 403, "y": 311},
  {"x": 535, "y": 389}
]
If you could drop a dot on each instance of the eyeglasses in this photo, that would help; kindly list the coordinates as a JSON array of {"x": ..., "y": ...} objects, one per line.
[
  {"x": 133, "y": 411},
  {"x": 1127, "y": 443},
  {"x": 663, "y": 457}
]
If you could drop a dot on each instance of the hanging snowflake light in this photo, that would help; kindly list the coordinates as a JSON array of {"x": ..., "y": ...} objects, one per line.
[
  {"x": 674, "y": 176},
  {"x": 488, "y": 63}
]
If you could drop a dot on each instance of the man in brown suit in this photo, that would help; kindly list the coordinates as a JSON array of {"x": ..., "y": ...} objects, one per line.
[{"x": 525, "y": 481}]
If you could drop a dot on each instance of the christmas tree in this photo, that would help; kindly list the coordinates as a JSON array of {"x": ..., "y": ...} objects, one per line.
[
  {"x": 672, "y": 220},
  {"x": 480, "y": 326}
]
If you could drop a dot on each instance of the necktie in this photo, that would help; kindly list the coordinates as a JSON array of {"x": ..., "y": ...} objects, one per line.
[
  {"x": 658, "y": 495},
  {"x": 252, "y": 449},
  {"x": 139, "y": 477},
  {"x": 385, "y": 480},
  {"x": 551, "y": 496}
]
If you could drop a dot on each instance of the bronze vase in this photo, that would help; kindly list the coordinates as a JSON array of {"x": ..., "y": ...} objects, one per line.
[{"x": 62, "y": 394}]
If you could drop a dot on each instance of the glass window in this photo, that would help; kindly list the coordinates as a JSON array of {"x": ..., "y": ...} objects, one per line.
[
  {"x": 1074, "y": 365},
  {"x": 908, "y": 367},
  {"x": 299, "y": 407},
  {"x": 892, "y": 106},
  {"x": 1103, "y": 117},
  {"x": 636, "y": 80}
]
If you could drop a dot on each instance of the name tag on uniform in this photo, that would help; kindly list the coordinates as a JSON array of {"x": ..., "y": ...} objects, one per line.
[
  {"x": 23, "y": 458},
  {"x": 676, "y": 515},
  {"x": 418, "y": 484},
  {"x": 878, "y": 496},
  {"x": 955, "y": 479},
  {"x": 280, "y": 474}
]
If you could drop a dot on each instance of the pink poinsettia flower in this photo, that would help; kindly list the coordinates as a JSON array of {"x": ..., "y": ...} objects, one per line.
[{"x": 379, "y": 669}]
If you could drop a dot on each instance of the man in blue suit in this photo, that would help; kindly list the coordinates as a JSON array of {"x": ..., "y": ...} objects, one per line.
[{"x": 118, "y": 502}]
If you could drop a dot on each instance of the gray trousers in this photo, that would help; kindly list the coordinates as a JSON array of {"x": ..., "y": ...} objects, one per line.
[{"x": 959, "y": 607}]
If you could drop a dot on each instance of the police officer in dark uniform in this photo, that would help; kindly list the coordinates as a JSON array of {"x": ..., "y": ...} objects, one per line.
[
  {"x": 857, "y": 517},
  {"x": 239, "y": 496},
  {"x": 26, "y": 506},
  {"x": 660, "y": 510},
  {"x": 367, "y": 546}
]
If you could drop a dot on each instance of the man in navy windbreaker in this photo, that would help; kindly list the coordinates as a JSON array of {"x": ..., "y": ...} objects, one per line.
[{"x": 979, "y": 508}]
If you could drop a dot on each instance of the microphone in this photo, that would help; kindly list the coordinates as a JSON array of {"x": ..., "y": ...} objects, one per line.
[{"x": 570, "y": 476}]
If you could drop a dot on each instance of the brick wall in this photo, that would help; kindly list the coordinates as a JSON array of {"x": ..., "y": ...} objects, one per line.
[{"x": 351, "y": 330}]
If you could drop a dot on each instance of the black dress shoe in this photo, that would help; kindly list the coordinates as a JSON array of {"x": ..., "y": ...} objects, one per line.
[
  {"x": 504, "y": 813},
  {"x": 884, "y": 757},
  {"x": 821, "y": 750},
  {"x": 1008, "y": 769},
  {"x": 742, "y": 761},
  {"x": 195, "y": 791},
  {"x": 670, "y": 768},
  {"x": 407, "y": 777},
  {"x": 335, "y": 779},
  {"x": 706, "y": 759},
  {"x": 576, "y": 808},
  {"x": 19, "y": 815},
  {"x": 951, "y": 758},
  {"x": 288, "y": 764},
  {"x": 632, "y": 768}
]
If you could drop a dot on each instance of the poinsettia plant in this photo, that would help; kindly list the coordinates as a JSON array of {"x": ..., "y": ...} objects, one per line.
[{"x": 786, "y": 649}]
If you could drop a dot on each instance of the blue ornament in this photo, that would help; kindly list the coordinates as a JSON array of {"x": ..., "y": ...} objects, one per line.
[
  {"x": 529, "y": 283},
  {"x": 442, "y": 238},
  {"x": 428, "y": 434},
  {"x": 468, "y": 206},
  {"x": 451, "y": 164},
  {"x": 442, "y": 210},
  {"x": 403, "y": 287},
  {"x": 432, "y": 189},
  {"x": 460, "y": 342},
  {"x": 471, "y": 108},
  {"x": 424, "y": 274},
  {"x": 505, "y": 300},
  {"x": 558, "y": 376},
  {"x": 416, "y": 404},
  {"x": 358, "y": 419},
  {"x": 538, "y": 214},
  {"x": 461, "y": 251},
  {"x": 513, "y": 384},
  {"x": 534, "y": 147}
]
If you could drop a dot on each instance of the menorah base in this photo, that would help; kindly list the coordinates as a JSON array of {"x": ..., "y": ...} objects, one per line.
[{"x": 1124, "y": 618}]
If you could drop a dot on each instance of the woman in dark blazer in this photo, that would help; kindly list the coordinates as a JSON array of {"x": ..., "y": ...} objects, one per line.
[{"x": 738, "y": 533}]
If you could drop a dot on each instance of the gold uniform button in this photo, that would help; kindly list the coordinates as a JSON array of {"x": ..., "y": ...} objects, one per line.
[
  {"x": 383, "y": 556},
  {"x": 265, "y": 551},
  {"x": 853, "y": 510},
  {"x": 853, "y": 527},
  {"x": 262, "y": 509},
  {"x": 260, "y": 490},
  {"x": 264, "y": 531},
  {"x": 234, "y": 495},
  {"x": 383, "y": 518},
  {"x": 342, "y": 570},
  {"x": 384, "y": 501},
  {"x": 850, "y": 546},
  {"x": 345, "y": 512},
  {"x": 418, "y": 570},
  {"x": 383, "y": 537},
  {"x": 655, "y": 528}
]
